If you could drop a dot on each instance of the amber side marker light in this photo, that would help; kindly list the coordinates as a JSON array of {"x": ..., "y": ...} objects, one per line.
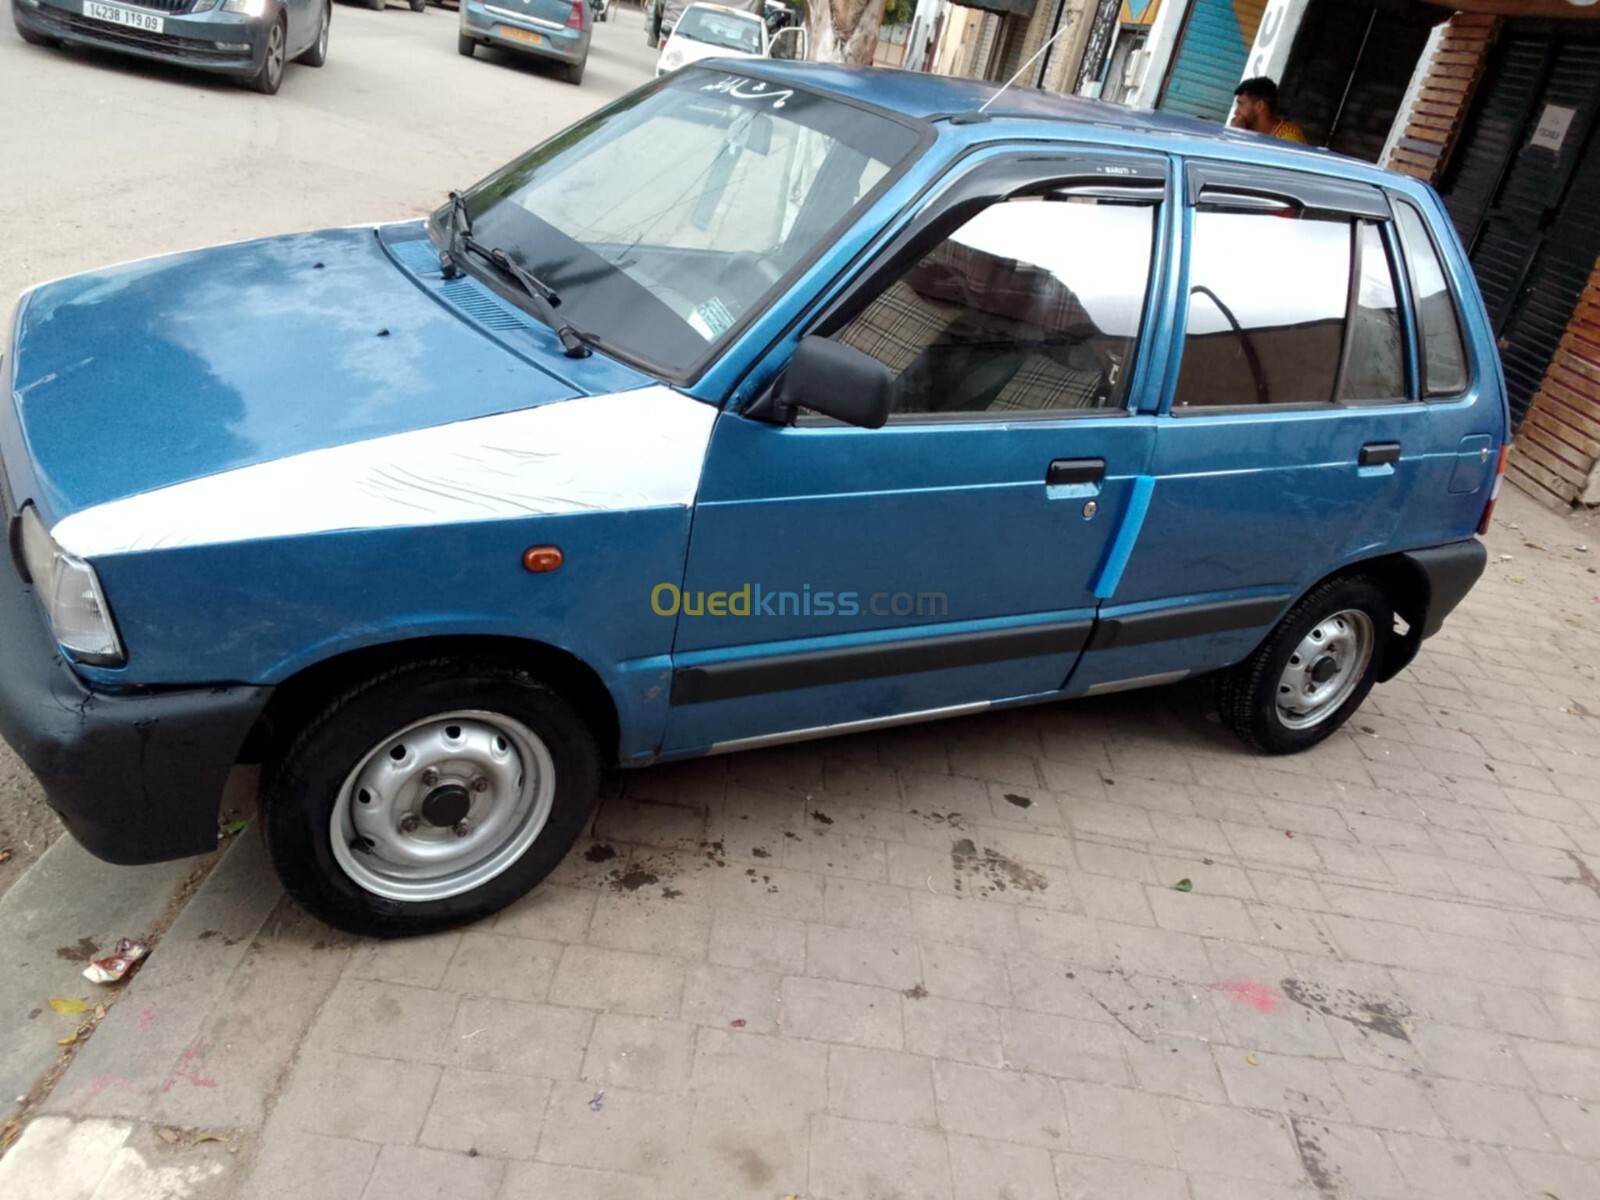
[
  {"x": 540, "y": 559},
  {"x": 1494, "y": 494}
]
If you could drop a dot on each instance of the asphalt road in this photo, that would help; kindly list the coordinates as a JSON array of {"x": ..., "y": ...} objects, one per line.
[{"x": 108, "y": 159}]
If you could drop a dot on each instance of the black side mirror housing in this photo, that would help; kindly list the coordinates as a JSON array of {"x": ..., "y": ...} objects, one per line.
[{"x": 837, "y": 381}]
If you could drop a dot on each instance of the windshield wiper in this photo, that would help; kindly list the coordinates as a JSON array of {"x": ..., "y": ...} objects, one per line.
[
  {"x": 575, "y": 342},
  {"x": 458, "y": 226}
]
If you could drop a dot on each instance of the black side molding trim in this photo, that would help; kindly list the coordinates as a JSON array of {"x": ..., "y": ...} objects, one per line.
[
  {"x": 1195, "y": 620},
  {"x": 1450, "y": 570},
  {"x": 787, "y": 672}
]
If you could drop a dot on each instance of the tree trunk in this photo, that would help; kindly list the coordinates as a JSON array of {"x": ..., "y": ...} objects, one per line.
[{"x": 844, "y": 31}]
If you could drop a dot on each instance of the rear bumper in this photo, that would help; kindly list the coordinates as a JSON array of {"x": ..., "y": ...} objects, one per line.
[
  {"x": 487, "y": 23},
  {"x": 1451, "y": 571},
  {"x": 208, "y": 41},
  {"x": 135, "y": 778}
]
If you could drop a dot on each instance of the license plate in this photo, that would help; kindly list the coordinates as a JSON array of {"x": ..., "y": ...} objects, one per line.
[
  {"x": 123, "y": 16},
  {"x": 526, "y": 36}
]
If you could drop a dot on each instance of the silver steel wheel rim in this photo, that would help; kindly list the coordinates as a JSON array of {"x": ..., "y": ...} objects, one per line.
[
  {"x": 275, "y": 51},
  {"x": 1325, "y": 668},
  {"x": 394, "y": 829}
]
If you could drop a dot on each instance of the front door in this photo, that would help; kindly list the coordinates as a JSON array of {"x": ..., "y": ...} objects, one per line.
[{"x": 842, "y": 577}]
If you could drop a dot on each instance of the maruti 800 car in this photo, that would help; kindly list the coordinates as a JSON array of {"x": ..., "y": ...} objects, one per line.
[
  {"x": 248, "y": 40},
  {"x": 767, "y": 403}
]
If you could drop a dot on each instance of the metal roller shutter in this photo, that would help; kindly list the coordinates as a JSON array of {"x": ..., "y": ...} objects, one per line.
[
  {"x": 1530, "y": 213},
  {"x": 1210, "y": 57}
]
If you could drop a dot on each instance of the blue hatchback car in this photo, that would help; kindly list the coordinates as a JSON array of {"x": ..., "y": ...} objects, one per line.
[{"x": 764, "y": 404}]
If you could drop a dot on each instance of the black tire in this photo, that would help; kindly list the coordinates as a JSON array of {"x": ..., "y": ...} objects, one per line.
[
  {"x": 301, "y": 787},
  {"x": 418, "y": 5},
  {"x": 377, "y": 5},
  {"x": 465, "y": 45},
  {"x": 318, "y": 54},
  {"x": 269, "y": 78},
  {"x": 1248, "y": 694},
  {"x": 573, "y": 72}
]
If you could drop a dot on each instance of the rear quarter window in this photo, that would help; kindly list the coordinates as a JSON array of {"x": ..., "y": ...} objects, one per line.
[{"x": 1444, "y": 359}]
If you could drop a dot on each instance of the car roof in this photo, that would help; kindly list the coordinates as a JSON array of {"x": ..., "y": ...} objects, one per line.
[
  {"x": 726, "y": 8},
  {"x": 925, "y": 96}
]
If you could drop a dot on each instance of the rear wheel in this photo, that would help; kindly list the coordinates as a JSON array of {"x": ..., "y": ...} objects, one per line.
[
  {"x": 269, "y": 77},
  {"x": 1314, "y": 669},
  {"x": 465, "y": 45},
  {"x": 318, "y": 54},
  {"x": 428, "y": 797},
  {"x": 573, "y": 72}
]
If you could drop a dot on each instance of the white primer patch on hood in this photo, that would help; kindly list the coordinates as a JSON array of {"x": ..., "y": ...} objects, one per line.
[{"x": 638, "y": 449}]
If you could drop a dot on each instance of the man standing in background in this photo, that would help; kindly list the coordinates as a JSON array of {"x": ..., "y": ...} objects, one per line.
[{"x": 1255, "y": 107}]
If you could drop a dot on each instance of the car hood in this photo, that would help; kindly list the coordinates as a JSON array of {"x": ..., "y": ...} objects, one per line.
[{"x": 142, "y": 376}]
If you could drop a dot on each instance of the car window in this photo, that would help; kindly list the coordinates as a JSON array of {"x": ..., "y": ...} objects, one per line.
[
  {"x": 1268, "y": 293},
  {"x": 1033, "y": 305},
  {"x": 1374, "y": 366},
  {"x": 731, "y": 31},
  {"x": 1444, "y": 360}
]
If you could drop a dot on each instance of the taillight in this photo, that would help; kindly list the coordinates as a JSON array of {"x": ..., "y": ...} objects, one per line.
[
  {"x": 1494, "y": 492},
  {"x": 663, "y": 44},
  {"x": 575, "y": 17}
]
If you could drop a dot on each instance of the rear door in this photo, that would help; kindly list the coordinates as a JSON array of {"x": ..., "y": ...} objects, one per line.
[
  {"x": 841, "y": 577},
  {"x": 1290, "y": 437}
]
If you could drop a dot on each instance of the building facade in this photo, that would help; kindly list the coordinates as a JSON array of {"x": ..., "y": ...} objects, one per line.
[{"x": 1494, "y": 102}]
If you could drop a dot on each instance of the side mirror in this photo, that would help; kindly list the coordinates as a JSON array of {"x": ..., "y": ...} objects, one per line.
[{"x": 837, "y": 381}]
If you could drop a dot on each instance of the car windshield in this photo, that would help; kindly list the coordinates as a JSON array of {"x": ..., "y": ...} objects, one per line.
[
  {"x": 731, "y": 31},
  {"x": 666, "y": 219}
]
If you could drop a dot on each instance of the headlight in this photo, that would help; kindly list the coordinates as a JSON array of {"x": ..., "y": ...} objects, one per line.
[
  {"x": 673, "y": 61},
  {"x": 200, "y": 6},
  {"x": 250, "y": 8},
  {"x": 70, "y": 593}
]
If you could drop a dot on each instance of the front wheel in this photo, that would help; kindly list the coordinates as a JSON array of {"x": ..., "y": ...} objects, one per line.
[
  {"x": 430, "y": 796},
  {"x": 269, "y": 77},
  {"x": 465, "y": 45},
  {"x": 1314, "y": 669}
]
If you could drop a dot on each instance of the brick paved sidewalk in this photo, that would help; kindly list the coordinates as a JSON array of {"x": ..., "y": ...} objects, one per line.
[{"x": 950, "y": 961}]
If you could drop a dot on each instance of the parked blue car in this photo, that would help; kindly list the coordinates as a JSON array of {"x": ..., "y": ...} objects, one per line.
[
  {"x": 557, "y": 30},
  {"x": 248, "y": 40},
  {"x": 761, "y": 405}
]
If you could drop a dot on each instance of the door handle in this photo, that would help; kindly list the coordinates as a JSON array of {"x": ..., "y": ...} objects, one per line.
[
  {"x": 1065, "y": 471},
  {"x": 1379, "y": 454}
]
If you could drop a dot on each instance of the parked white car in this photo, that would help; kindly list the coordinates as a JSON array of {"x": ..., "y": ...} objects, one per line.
[{"x": 717, "y": 31}]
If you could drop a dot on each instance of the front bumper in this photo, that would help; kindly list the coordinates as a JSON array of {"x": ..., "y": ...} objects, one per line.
[
  {"x": 135, "y": 778},
  {"x": 487, "y": 23},
  {"x": 208, "y": 41}
]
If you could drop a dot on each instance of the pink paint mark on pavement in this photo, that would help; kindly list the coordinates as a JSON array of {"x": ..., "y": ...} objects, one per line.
[
  {"x": 147, "y": 1018},
  {"x": 188, "y": 1070},
  {"x": 1260, "y": 996}
]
